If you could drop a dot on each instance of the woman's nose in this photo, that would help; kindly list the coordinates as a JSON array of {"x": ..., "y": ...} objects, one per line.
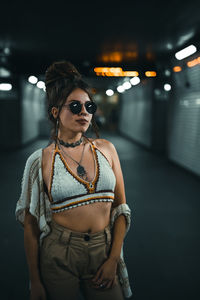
[{"x": 83, "y": 109}]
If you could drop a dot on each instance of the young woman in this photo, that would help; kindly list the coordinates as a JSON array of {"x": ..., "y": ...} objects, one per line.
[{"x": 72, "y": 205}]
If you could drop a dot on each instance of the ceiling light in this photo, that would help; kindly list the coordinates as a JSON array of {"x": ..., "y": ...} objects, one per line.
[
  {"x": 193, "y": 62},
  {"x": 126, "y": 85},
  {"x": 5, "y": 86},
  {"x": 120, "y": 89},
  {"x": 167, "y": 87},
  {"x": 135, "y": 80},
  {"x": 177, "y": 68},
  {"x": 185, "y": 52},
  {"x": 109, "y": 92},
  {"x": 32, "y": 79},
  {"x": 40, "y": 84},
  {"x": 150, "y": 74}
]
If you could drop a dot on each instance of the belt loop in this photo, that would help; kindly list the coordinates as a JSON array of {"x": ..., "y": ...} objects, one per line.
[
  {"x": 108, "y": 235},
  {"x": 65, "y": 237}
]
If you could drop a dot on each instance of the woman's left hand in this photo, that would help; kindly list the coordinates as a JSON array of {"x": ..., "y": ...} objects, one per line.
[{"x": 106, "y": 274}]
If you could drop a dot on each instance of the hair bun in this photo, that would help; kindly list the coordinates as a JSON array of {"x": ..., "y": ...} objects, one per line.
[{"x": 59, "y": 70}]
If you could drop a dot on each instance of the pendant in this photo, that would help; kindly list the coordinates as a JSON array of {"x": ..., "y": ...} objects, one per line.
[{"x": 81, "y": 171}]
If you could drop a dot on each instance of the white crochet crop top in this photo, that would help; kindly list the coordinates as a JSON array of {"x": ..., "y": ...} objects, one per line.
[{"x": 68, "y": 190}]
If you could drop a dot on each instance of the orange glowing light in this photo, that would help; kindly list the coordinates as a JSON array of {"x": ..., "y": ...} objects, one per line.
[
  {"x": 131, "y": 73},
  {"x": 130, "y": 55},
  {"x": 115, "y": 72},
  {"x": 114, "y": 56},
  {"x": 118, "y": 56},
  {"x": 193, "y": 62},
  {"x": 150, "y": 74},
  {"x": 177, "y": 69}
]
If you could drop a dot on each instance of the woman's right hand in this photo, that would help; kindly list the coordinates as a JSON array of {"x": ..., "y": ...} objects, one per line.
[{"x": 37, "y": 291}]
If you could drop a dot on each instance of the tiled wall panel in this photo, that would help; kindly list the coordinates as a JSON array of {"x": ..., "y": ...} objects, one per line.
[
  {"x": 184, "y": 120},
  {"x": 136, "y": 113}
]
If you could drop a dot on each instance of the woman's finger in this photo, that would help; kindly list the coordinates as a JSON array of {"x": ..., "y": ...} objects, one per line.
[
  {"x": 109, "y": 285},
  {"x": 113, "y": 283},
  {"x": 97, "y": 276}
]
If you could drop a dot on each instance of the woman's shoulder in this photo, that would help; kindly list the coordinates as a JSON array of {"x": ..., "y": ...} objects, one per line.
[
  {"x": 102, "y": 143},
  {"x": 48, "y": 149},
  {"x": 106, "y": 147}
]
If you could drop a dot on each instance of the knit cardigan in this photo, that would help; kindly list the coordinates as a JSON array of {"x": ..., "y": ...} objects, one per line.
[{"x": 35, "y": 198}]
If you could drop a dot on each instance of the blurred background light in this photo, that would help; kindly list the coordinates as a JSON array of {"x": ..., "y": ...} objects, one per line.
[
  {"x": 120, "y": 89},
  {"x": 109, "y": 92},
  {"x": 193, "y": 62},
  {"x": 126, "y": 85},
  {"x": 169, "y": 46},
  {"x": 114, "y": 72},
  {"x": 167, "y": 72},
  {"x": 177, "y": 69},
  {"x": 135, "y": 80},
  {"x": 32, "y": 79},
  {"x": 167, "y": 87},
  {"x": 150, "y": 74},
  {"x": 41, "y": 84},
  {"x": 198, "y": 101},
  {"x": 5, "y": 86},
  {"x": 185, "y": 52},
  {"x": 7, "y": 51},
  {"x": 157, "y": 92},
  {"x": 4, "y": 72}
]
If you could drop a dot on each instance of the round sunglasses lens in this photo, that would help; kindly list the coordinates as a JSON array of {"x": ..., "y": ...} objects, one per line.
[
  {"x": 75, "y": 107},
  {"x": 91, "y": 107}
]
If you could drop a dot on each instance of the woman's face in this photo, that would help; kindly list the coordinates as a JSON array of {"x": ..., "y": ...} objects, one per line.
[{"x": 68, "y": 120}]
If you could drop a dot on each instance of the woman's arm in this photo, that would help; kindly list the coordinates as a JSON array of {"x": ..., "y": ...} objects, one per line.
[
  {"x": 108, "y": 270},
  {"x": 118, "y": 237},
  {"x": 31, "y": 245},
  {"x": 31, "y": 242},
  {"x": 120, "y": 198}
]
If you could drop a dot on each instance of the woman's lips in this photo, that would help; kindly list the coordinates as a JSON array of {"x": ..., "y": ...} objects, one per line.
[{"x": 83, "y": 122}]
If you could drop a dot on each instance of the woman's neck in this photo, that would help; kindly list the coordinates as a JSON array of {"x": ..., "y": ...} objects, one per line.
[{"x": 70, "y": 138}]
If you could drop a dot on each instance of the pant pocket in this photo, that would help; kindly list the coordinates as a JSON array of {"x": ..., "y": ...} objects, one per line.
[{"x": 55, "y": 261}]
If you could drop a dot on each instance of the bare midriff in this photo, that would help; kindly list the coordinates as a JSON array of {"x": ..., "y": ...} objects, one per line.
[{"x": 90, "y": 218}]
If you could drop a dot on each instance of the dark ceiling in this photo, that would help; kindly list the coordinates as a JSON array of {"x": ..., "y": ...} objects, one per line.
[{"x": 95, "y": 33}]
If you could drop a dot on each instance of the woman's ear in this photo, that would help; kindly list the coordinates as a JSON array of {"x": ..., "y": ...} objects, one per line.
[{"x": 54, "y": 112}]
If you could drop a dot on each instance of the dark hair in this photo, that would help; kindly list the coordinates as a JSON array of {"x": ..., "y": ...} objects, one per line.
[{"x": 61, "y": 78}]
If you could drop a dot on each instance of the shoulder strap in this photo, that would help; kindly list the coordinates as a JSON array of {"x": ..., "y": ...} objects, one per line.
[
  {"x": 90, "y": 141},
  {"x": 56, "y": 149}
]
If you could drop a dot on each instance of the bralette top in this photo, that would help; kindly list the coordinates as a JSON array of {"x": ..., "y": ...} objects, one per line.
[{"x": 68, "y": 190}]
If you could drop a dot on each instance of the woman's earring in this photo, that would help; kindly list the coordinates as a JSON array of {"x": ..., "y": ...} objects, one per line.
[{"x": 57, "y": 124}]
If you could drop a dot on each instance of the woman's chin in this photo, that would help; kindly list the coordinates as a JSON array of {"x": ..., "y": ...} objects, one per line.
[{"x": 83, "y": 129}]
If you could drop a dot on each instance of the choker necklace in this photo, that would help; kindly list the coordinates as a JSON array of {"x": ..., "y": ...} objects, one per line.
[{"x": 72, "y": 144}]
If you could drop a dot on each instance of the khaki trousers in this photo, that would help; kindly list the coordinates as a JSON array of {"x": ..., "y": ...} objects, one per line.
[{"x": 70, "y": 259}]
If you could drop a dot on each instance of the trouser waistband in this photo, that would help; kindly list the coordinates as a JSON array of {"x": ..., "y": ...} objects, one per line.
[{"x": 66, "y": 234}]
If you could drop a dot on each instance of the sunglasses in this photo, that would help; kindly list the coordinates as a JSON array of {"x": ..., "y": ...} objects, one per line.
[{"x": 76, "y": 107}]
